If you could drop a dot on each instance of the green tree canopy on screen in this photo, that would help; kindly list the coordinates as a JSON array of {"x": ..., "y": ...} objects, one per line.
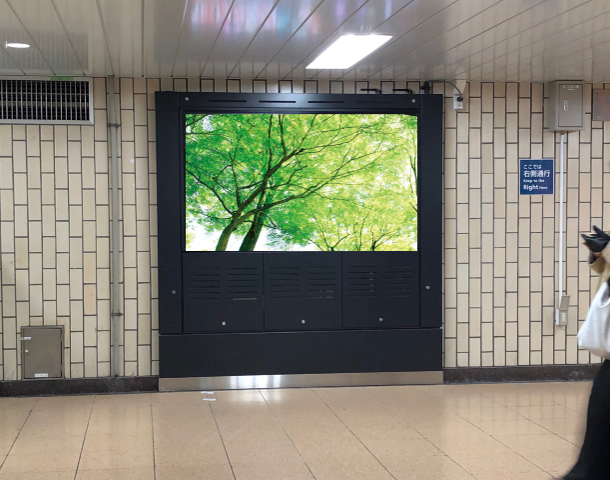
[{"x": 339, "y": 182}]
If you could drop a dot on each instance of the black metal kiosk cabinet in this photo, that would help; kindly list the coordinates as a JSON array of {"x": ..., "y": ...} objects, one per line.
[{"x": 257, "y": 319}]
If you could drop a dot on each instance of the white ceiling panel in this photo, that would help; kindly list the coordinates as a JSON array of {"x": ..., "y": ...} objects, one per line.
[
  {"x": 320, "y": 26},
  {"x": 8, "y": 64},
  {"x": 163, "y": 26},
  {"x": 376, "y": 16},
  {"x": 82, "y": 23},
  {"x": 517, "y": 40},
  {"x": 242, "y": 25},
  {"x": 202, "y": 24},
  {"x": 433, "y": 29},
  {"x": 29, "y": 60},
  {"x": 283, "y": 22},
  {"x": 571, "y": 31},
  {"x": 39, "y": 19},
  {"x": 436, "y": 53},
  {"x": 122, "y": 24},
  {"x": 414, "y": 14}
]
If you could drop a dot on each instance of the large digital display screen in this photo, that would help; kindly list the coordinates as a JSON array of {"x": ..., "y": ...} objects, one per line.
[{"x": 301, "y": 182}]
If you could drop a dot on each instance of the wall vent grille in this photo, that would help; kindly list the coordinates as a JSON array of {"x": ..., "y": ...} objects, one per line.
[
  {"x": 46, "y": 101},
  {"x": 284, "y": 282},
  {"x": 323, "y": 282}
]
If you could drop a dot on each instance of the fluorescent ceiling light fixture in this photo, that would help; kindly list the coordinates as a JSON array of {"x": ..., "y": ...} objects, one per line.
[
  {"x": 17, "y": 45},
  {"x": 348, "y": 50}
]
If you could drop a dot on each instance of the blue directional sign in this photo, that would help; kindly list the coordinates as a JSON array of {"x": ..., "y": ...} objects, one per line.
[{"x": 536, "y": 177}]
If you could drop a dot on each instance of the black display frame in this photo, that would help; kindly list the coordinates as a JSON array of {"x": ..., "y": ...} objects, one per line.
[{"x": 178, "y": 357}]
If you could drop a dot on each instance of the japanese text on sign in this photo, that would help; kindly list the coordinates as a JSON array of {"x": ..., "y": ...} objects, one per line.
[{"x": 536, "y": 177}]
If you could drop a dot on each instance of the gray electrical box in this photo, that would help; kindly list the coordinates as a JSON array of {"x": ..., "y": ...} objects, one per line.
[
  {"x": 566, "y": 106},
  {"x": 601, "y": 105},
  {"x": 42, "y": 352}
]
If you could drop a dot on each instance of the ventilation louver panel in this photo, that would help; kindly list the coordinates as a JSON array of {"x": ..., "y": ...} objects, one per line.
[
  {"x": 284, "y": 282},
  {"x": 223, "y": 291},
  {"x": 302, "y": 290},
  {"x": 323, "y": 282},
  {"x": 36, "y": 101},
  {"x": 204, "y": 284},
  {"x": 380, "y": 290},
  {"x": 244, "y": 284}
]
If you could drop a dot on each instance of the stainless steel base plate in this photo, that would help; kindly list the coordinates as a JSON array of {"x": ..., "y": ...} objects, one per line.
[{"x": 300, "y": 381}]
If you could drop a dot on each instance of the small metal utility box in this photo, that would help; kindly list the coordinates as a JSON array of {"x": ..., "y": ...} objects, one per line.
[
  {"x": 42, "y": 352},
  {"x": 566, "y": 106}
]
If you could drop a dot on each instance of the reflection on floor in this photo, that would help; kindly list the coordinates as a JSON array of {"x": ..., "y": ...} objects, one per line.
[{"x": 483, "y": 432}]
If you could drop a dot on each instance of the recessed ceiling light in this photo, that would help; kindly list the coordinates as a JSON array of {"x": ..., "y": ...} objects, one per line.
[
  {"x": 348, "y": 50},
  {"x": 17, "y": 45}
]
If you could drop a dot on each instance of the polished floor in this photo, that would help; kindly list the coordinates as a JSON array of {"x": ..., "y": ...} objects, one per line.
[{"x": 482, "y": 432}]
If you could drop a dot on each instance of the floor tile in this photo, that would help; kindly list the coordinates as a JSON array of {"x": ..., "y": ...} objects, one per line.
[
  {"x": 438, "y": 427},
  {"x": 55, "y": 423},
  {"x": 524, "y": 400},
  {"x": 549, "y": 452},
  {"x": 511, "y": 427},
  {"x": 116, "y": 460},
  {"x": 6, "y": 443},
  {"x": 174, "y": 398},
  {"x": 18, "y": 403},
  {"x": 514, "y": 476},
  {"x": 147, "y": 473},
  {"x": 274, "y": 447},
  {"x": 272, "y": 471},
  {"x": 483, "y": 414},
  {"x": 344, "y": 468},
  {"x": 189, "y": 452},
  {"x": 498, "y": 463},
  {"x": 12, "y": 418},
  {"x": 442, "y": 432},
  {"x": 426, "y": 468},
  {"x": 32, "y": 445},
  {"x": 128, "y": 400},
  {"x": 477, "y": 444},
  {"x": 40, "y": 463},
  {"x": 73, "y": 402},
  {"x": 546, "y": 412},
  {"x": 38, "y": 476},
  {"x": 113, "y": 442},
  {"x": 214, "y": 471},
  {"x": 128, "y": 428},
  {"x": 574, "y": 438},
  {"x": 566, "y": 426},
  {"x": 395, "y": 447},
  {"x": 123, "y": 414},
  {"x": 471, "y": 400},
  {"x": 334, "y": 453}
]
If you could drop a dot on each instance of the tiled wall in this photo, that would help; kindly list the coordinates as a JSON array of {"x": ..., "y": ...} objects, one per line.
[
  {"x": 501, "y": 250},
  {"x": 500, "y": 269},
  {"x": 55, "y": 235}
]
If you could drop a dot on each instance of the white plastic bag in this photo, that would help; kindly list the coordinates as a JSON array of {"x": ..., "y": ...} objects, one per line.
[{"x": 594, "y": 335}]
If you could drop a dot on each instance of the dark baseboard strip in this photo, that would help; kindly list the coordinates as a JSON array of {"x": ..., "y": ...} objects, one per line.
[
  {"x": 538, "y": 373},
  {"x": 463, "y": 375},
  {"x": 78, "y": 386}
]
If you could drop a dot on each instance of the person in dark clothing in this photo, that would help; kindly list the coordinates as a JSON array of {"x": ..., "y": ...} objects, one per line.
[{"x": 594, "y": 460}]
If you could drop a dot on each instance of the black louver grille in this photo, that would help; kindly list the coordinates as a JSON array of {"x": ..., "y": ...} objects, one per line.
[
  {"x": 45, "y": 101},
  {"x": 373, "y": 281}
]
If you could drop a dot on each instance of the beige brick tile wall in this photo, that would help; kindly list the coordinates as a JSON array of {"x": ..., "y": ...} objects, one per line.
[{"x": 500, "y": 277}]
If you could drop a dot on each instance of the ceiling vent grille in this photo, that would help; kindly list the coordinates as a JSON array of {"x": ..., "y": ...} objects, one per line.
[{"x": 46, "y": 101}]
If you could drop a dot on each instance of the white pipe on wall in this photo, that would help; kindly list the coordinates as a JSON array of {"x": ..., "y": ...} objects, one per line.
[
  {"x": 115, "y": 324},
  {"x": 561, "y": 199}
]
